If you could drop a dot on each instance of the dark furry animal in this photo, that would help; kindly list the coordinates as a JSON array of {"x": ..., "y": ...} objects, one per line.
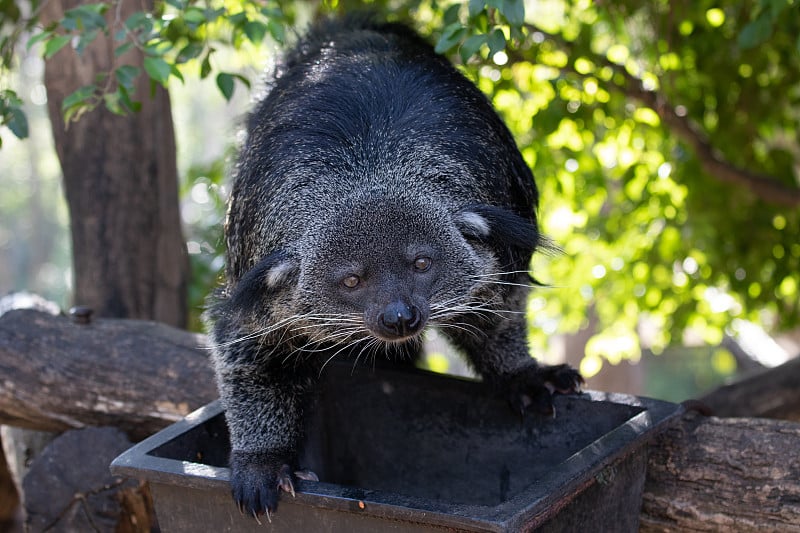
[{"x": 377, "y": 193}]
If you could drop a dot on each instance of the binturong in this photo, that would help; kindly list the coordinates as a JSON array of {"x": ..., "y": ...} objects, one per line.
[{"x": 377, "y": 194}]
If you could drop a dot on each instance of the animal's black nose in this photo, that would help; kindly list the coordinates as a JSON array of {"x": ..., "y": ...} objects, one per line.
[{"x": 400, "y": 319}]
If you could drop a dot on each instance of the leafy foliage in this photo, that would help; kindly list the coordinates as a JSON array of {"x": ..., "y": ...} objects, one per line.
[
  {"x": 174, "y": 37},
  {"x": 645, "y": 123}
]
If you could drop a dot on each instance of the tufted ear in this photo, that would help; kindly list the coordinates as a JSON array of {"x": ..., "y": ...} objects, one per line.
[
  {"x": 484, "y": 222},
  {"x": 275, "y": 271}
]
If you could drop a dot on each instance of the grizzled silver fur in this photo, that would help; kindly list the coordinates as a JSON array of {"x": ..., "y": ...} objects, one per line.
[{"x": 377, "y": 194}]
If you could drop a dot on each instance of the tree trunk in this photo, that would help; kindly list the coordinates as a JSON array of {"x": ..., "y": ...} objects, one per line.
[
  {"x": 121, "y": 184},
  {"x": 120, "y": 178}
]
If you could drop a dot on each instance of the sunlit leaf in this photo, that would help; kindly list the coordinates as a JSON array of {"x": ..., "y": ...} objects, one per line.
[
  {"x": 158, "y": 69},
  {"x": 37, "y": 38},
  {"x": 55, "y": 44}
]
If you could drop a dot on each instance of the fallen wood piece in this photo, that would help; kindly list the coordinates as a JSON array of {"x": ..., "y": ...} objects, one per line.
[
  {"x": 135, "y": 375},
  {"x": 717, "y": 474},
  {"x": 69, "y": 487},
  {"x": 772, "y": 393}
]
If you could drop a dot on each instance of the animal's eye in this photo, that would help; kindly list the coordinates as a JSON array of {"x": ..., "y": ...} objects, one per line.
[
  {"x": 422, "y": 264},
  {"x": 351, "y": 281}
]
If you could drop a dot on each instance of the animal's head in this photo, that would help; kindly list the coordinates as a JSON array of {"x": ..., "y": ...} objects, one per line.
[{"x": 383, "y": 268}]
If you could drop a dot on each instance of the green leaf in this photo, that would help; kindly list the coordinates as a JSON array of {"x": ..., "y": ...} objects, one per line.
[
  {"x": 85, "y": 17},
  {"x": 496, "y": 41},
  {"x": 55, "y": 44},
  {"x": 86, "y": 39},
  {"x": 255, "y": 31},
  {"x": 38, "y": 37},
  {"x": 277, "y": 30},
  {"x": 195, "y": 15},
  {"x": 113, "y": 103},
  {"x": 10, "y": 11},
  {"x": 225, "y": 84},
  {"x": 126, "y": 75},
  {"x": 476, "y": 7},
  {"x": 471, "y": 46},
  {"x": 451, "y": 36},
  {"x": 18, "y": 123},
  {"x": 140, "y": 22},
  {"x": 211, "y": 15},
  {"x": 8, "y": 99},
  {"x": 451, "y": 14},
  {"x": 125, "y": 100},
  {"x": 121, "y": 49},
  {"x": 158, "y": 69},
  {"x": 514, "y": 11},
  {"x": 755, "y": 32},
  {"x": 78, "y": 103},
  {"x": 81, "y": 95},
  {"x": 177, "y": 73},
  {"x": 238, "y": 19},
  {"x": 190, "y": 51},
  {"x": 243, "y": 79},
  {"x": 205, "y": 65},
  {"x": 176, "y": 29}
]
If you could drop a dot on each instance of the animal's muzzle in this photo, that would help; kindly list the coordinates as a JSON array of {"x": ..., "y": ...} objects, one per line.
[{"x": 400, "y": 320}]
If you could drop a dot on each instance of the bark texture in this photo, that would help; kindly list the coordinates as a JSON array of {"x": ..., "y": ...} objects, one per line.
[
  {"x": 724, "y": 474},
  {"x": 132, "y": 374},
  {"x": 121, "y": 183}
]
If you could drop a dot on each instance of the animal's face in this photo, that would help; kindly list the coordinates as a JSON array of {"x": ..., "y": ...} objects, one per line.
[
  {"x": 379, "y": 271},
  {"x": 390, "y": 284},
  {"x": 385, "y": 269}
]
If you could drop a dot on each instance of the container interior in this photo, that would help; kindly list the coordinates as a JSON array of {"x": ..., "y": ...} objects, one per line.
[{"x": 414, "y": 434}]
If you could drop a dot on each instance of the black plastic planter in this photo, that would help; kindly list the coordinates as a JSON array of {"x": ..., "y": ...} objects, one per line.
[{"x": 412, "y": 451}]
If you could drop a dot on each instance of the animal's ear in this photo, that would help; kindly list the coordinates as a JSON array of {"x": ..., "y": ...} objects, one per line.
[
  {"x": 487, "y": 222},
  {"x": 272, "y": 273}
]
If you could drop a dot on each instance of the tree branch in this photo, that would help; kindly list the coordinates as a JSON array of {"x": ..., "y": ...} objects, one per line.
[{"x": 765, "y": 187}]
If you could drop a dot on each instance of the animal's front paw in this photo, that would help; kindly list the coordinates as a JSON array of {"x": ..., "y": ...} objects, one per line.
[
  {"x": 257, "y": 479},
  {"x": 533, "y": 386}
]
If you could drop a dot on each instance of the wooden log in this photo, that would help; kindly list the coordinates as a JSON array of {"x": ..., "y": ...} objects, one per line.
[
  {"x": 717, "y": 474},
  {"x": 135, "y": 375},
  {"x": 772, "y": 393}
]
